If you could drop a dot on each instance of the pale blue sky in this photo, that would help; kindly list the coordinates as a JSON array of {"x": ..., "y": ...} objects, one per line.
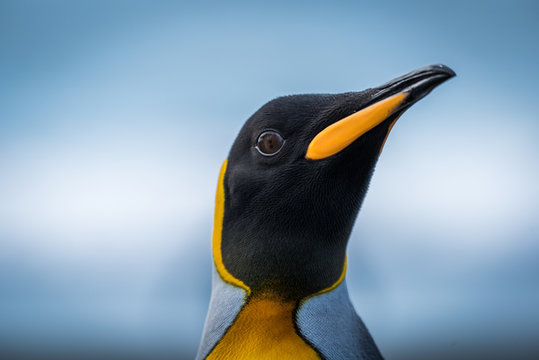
[{"x": 115, "y": 117}]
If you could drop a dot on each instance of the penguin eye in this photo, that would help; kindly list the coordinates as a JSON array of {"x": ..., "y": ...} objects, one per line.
[{"x": 269, "y": 143}]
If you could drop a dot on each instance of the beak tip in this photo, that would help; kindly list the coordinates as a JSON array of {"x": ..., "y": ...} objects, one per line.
[{"x": 441, "y": 69}]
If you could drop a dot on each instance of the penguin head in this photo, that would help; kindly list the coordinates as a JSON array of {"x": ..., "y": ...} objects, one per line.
[{"x": 295, "y": 179}]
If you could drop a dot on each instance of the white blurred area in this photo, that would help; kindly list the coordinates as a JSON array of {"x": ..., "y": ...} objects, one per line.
[
  {"x": 473, "y": 184},
  {"x": 95, "y": 228},
  {"x": 104, "y": 192}
]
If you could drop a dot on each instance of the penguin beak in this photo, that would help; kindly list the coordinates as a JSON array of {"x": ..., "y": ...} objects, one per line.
[{"x": 390, "y": 99}]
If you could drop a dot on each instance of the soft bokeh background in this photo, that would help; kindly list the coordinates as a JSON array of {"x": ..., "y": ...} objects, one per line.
[{"x": 116, "y": 115}]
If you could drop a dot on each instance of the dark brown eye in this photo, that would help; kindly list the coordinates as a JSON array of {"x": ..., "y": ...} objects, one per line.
[{"x": 269, "y": 143}]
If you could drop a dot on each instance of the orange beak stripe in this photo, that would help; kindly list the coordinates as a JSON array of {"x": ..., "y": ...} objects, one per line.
[{"x": 342, "y": 133}]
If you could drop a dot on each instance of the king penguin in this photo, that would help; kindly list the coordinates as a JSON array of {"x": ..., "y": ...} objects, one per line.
[{"x": 287, "y": 199}]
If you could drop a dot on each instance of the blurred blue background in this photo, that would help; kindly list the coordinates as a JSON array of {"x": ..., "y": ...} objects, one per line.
[{"x": 116, "y": 115}]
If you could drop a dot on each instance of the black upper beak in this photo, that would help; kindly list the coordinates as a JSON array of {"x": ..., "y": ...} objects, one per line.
[{"x": 417, "y": 84}]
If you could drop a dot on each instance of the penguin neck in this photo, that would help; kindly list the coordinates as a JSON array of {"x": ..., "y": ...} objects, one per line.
[
  {"x": 302, "y": 259},
  {"x": 264, "y": 328},
  {"x": 273, "y": 311},
  {"x": 265, "y": 325}
]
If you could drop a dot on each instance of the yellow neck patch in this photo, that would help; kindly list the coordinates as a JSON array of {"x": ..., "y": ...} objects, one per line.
[
  {"x": 217, "y": 233},
  {"x": 263, "y": 330}
]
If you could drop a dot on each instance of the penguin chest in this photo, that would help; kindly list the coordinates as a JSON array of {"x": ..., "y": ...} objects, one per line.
[{"x": 263, "y": 329}]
